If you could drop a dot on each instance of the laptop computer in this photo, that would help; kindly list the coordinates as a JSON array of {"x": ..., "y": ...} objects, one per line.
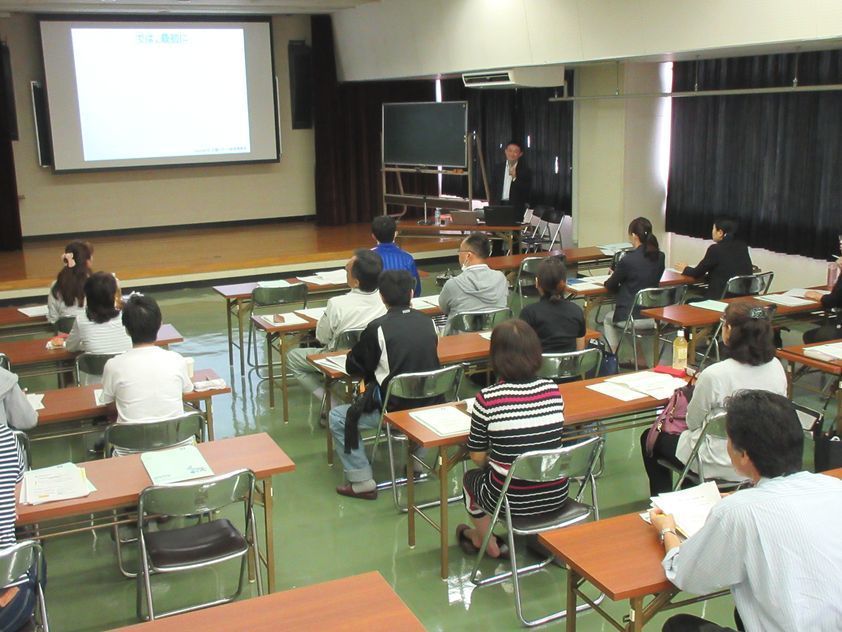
[
  {"x": 463, "y": 218},
  {"x": 503, "y": 215}
]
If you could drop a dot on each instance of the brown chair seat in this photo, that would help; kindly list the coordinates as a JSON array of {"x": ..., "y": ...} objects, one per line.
[{"x": 187, "y": 546}]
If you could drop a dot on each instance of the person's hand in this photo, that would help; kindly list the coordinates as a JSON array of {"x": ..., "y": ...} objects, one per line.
[
  {"x": 660, "y": 520},
  {"x": 513, "y": 171},
  {"x": 679, "y": 266},
  {"x": 812, "y": 295}
]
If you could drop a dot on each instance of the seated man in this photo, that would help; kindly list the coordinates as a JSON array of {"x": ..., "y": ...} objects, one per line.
[
  {"x": 478, "y": 288},
  {"x": 147, "y": 382},
  {"x": 383, "y": 229},
  {"x": 402, "y": 341},
  {"x": 777, "y": 546},
  {"x": 353, "y": 310}
]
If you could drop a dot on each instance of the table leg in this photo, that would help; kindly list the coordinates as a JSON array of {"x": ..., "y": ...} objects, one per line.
[
  {"x": 240, "y": 305},
  {"x": 635, "y": 614},
  {"x": 329, "y": 434},
  {"x": 268, "y": 501},
  {"x": 282, "y": 349},
  {"x": 410, "y": 496},
  {"x": 572, "y": 579},
  {"x": 444, "y": 468},
  {"x": 209, "y": 417},
  {"x": 790, "y": 379},
  {"x": 230, "y": 332},
  {"x": 270, "y": 369}
]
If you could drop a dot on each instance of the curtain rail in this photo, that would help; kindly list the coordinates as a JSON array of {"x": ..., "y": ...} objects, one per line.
[{"x": 832, "y": 87}]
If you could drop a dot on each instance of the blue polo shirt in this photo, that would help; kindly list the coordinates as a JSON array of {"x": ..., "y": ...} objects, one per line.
[{"x": 396, "y": 259}]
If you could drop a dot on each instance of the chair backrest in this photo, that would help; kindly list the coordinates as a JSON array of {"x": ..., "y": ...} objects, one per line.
[
  {"x": 64, "y": 324},
  {"x": 346, "y": 339},
  {"x": 154, "y": 435},
  {"x": 4, "y": 362},
  {"x": 24, "y": 447},
  {"x": 619, "y": 255},
  {"x": 659, "y": 297},
  {"x": 713, "y": 426},
  {"x": 552, "y": 215},
  {"x": 749, "y": 284},
  {"x": 541, "y": 466},
  {"x": 17, "y": 559},
  {"x": 92, "y": 363},
  {"x": 441, "y": 382},
  {"x": 528, "y": 269},
  {"x": 189, "y": 498},
  {"x": 467, "y": 322},
  {"x": 268, "y": 296},
  {"x": 565, "y": 235},
  {"x": 559, "y": 366}
]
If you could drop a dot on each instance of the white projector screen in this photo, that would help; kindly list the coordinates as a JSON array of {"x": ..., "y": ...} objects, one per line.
[{"x": 151, "y": 93}]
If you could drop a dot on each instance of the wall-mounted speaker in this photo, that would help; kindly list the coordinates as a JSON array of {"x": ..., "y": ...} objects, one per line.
[
  {"x": 42, "y": 124},
  {"x": 301, "y": 84},
  {"x": 11, "y": 122}
]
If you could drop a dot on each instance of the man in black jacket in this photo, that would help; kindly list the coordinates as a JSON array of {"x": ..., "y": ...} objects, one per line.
[
  {"x": 512, "y": 179},
  {"x": 402, "y": 341},
  {"x": 727, "y": 257}
]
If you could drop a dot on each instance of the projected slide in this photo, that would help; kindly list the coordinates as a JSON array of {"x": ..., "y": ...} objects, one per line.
[{"x": 159, "y": 92}]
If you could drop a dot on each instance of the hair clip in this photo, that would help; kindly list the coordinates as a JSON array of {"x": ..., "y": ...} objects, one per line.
[
  {"x": 68, "y": 259},
  {"x": 758, "y": 313}
]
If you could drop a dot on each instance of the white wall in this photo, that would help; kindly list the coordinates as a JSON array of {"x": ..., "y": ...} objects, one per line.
[
  {"x": 411, "y": 38},
  {"x": 79, "y": 203}
]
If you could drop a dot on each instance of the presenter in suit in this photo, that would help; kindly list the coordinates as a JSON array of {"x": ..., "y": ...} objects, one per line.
[{"x": 512, "y": 179}]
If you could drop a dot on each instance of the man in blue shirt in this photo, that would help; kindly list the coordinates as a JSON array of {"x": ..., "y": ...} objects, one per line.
[{"x": 383, "y": 229}]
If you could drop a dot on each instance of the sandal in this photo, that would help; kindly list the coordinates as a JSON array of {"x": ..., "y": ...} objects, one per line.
[
  {"x": 503, "y": 545},
  {"x": 465, "y": 543}
]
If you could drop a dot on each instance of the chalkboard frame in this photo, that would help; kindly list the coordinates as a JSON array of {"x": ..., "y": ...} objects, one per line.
[{"x": 442, "y": 150}]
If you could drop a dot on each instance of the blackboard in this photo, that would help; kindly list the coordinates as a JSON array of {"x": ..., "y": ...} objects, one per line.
[{"x": 425, "y": 134}]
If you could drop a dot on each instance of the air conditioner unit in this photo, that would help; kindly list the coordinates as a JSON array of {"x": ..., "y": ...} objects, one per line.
[{"x": 523, "y": 77}]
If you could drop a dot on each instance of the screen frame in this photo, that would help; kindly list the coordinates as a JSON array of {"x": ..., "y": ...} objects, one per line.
[
  {"x": 167, "y": 18},
  {"x": 466, "y": 139}
]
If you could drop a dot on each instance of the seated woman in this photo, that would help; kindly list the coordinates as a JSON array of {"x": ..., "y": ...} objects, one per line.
[
  {"x": 519, "y": 414},
  {"x": 640, "y": 269},
  {"x": 67, "y": 294},
  {"x": 99, "y": 329},
  {"x": 17, "y": 601},
  {"x": 831, "y": 331},
  {"x": 747, "y": 333},
  {"x": 559, "y": 323}
]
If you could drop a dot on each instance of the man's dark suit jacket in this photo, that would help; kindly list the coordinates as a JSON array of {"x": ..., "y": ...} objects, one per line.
[
  {"x": 520, "y": 188},
  {"x": 723, "y": 260}
]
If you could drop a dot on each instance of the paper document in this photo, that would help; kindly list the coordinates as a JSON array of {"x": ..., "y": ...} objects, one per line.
[
  {"x": 98, "y": 397},
  {"x": 485, "y": 334},
  {"x": 334, "y": 277},
  {"x": 617, "y": 391},
  {"x": 177, "y": 464},
  {"x": 33, "y": 312},
  {"x": 425, "y": 302},
  {"x": 209, "y": 385},
  {"x": 445, "y": 421},
  {"x": 36, "y": 400},
  {"x": 657, "y": 385},
  {"x": 312, "y": 312},
  {"x": 689, "y": 507},
  {"x": 59, "y": 482},
  {"x": 716, "y": 306},
  {"x": 278, "y": 283},
  {"x": 787, "y": 301},
  {"x": 290, "y": 318},
  {"x": 597, "y": 278},
  {"x": 585, "y": 286},
  {"x": 802, "y": 293},
  {"x": 826, "y": 352},
  {"x": 610, "y": 249},
  {"x": 334, "y": 363}
]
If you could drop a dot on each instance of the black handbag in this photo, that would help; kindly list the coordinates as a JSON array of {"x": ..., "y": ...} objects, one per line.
[{"x": 828, "y": 450}]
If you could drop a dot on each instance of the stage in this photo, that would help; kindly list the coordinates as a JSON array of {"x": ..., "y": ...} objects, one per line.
[{"x": 188, "y": 255}]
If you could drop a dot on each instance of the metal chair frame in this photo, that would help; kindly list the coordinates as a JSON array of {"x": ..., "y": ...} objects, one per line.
[
  {"x": 469, "y": 322},
  {"x": 647, "y": 298},
  {"x": 4, "y": 362},
  {"x": 92, "y": 364},
  {"x": 527, "y": 273},
  {"x": 576, "y": 463},
  {"x": 771, "y": 310},
  {"x": 204, "y": 497},
  {"x": 263, "y": 297},
  {"x": 15, "y": 562},
  {"x": 344, "y": 340},
  {"x": 560, "y": 366}
]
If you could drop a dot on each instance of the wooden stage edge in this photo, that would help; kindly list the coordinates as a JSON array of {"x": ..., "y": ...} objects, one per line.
[{"x": 197, "y": 254}]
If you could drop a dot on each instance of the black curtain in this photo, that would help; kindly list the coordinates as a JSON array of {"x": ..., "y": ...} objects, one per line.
[
  {"x": 347, "y": 121},
  {"x": 10, "y": 230},
  {"x": 772, "y": 161},
  {"x": 525, "y": 115}
]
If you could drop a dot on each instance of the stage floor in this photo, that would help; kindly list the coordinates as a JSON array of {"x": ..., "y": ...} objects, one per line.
[{"x": 181, "y": 255}]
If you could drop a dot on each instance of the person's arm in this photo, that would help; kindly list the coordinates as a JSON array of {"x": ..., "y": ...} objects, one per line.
[
  {"x": 417, "y": 276},
  {"x": 478, "y": 437},
  {"x": 701, "y": 402},
  {"x": 834, "y": 299},
  {"x": 325, "y": 327},
  {"x": 73, "y": 342},
  {"x": 186, "y": 382},
  {"x": 619, "y": 276},
  {"x": 363, "y": 357},
  {"x": 19, "y": 412},
  {"x": 109, "y": 383},
  {"x": 708, "y": 263},
  {"x": 445, "y": 296},
  {"x": 53, "y": 308}
]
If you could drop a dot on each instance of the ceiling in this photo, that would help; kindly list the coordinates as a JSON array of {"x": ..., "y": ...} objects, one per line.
[{"x": 226, "y": 7}]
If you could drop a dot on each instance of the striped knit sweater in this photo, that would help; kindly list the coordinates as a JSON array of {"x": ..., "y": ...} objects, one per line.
[
  {"x": 11, "y": 471},
  {"x": 511, "y": 418}
]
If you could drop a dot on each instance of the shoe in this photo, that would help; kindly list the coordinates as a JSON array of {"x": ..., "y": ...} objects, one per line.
[
  {"x": 465, "y": 543},
  {"x": 503, "y": 545},
  {"x": 347, "y": 490}
]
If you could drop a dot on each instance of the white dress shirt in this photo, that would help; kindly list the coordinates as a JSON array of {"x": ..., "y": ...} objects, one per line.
[
  {"x": 507, "y": 182},
  {"x": 778, "y": 548}
]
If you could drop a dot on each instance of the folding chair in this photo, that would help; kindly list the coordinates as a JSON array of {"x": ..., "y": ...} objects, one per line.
[
  {"x": 4, "y": 362},
  {"x": 344, "y": 340},
  {"x": 469, "y": 322},
  {"x": 542, "y": 466},
  {"x": 812, "y": 422},
  {"x": 442, "y": 383},
  {"x": 64, "y": 324},
  {"x": 645, "y": 299},
  {"x": 15, "y": 562},
  {"x": 527, "y": 272},
  {"x": 204, "y": 544},
  {"x": 748, "y": 285},
  {"x": 574, "y": 364},
  {"x": 90, "y": 367},
  {"x": 263, "y": 298},
  {"x": 24, "y": 448},
  {"x": 532, "y": 237},
  {"x": 771, "y": 309}
]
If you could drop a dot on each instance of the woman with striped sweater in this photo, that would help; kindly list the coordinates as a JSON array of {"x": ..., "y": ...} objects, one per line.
[{"x": 520, "y": 413}]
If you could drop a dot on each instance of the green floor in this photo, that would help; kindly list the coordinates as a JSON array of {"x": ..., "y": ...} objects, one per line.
[{"x": 319, "y": 535}]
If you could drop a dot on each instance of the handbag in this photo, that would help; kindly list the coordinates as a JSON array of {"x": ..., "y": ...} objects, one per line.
[
  {"x": 673, "y": 418},
  {"x": 827, "y": 450}
]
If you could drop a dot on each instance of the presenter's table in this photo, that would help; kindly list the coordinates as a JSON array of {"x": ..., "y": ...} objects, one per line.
[
  {"x": 361, "y": 602},
  {"x": 581, "y": 406},
  {"x": 584, "y": 258},
  {"x": 795, "y": 357},
  {"x": 508, "y": 234},
  {"x": 120, "y": 480}
]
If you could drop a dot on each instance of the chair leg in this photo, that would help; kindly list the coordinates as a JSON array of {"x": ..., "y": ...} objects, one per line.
[{"x": 255, "y": 551}]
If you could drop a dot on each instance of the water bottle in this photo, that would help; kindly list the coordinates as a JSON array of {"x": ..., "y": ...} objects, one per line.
[
  {"x": 679, "y": 351},
  {"x": 437, "y": 217}
]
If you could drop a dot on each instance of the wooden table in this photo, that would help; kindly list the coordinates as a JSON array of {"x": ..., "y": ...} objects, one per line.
[
  {"x": 508, "y": 234},
  {"x": 360, "y": 602},
  {"x": 120, "y": 480},
  {"x": 794, "y": 356},
  {"x": 31, "y": 357},
  {"x": 581, "y": 406},
  {"x": 78, "y": 403},
  {"x": 575, "y": 258},
  {"x": 14, "y": 322},
  {"x": 620, "y": 556}
]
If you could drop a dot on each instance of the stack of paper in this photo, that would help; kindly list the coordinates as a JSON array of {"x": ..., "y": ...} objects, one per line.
[
  {"x": 334, "y": 363},
  {"x": 657, "y": 385},
  {"x": 32, "y": 312},
  {"x": 177, "y": 464},
  {"x": 290, "y": 318},
  {"x": 826, "y": 352},
  {"x": 445, "y": 421},
  {"x": 689, "y": 507},
  {"x": 802, "y": 293},
  {"x": 785, "y": 300},
  {"x": 485, "y": 334},
  {"x": 328, "y": 277},
  {"x": 716, "y": 306},
  {"x": 597, "y": 278},
  {"x": 617, "y": 391},
  {"x": 584, "y": 286},
  {"x": 209, "y": 385},
  {"x": 312, "y": 312},
  {"x": 278, "y": 283},
  {"x": 59, "y": 482},
  {"x": 36, "y": 400},
  {"x": 610, "y": 249},
  {"x": 425, "y": 302}
]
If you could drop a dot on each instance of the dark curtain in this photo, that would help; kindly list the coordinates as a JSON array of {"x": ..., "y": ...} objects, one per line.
[
  {"x": 347, "y": 120},
  {"x": 772, "y": 161},
  {"x": 525, "y": 115},
  {"x": 10, "y": 230}
]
